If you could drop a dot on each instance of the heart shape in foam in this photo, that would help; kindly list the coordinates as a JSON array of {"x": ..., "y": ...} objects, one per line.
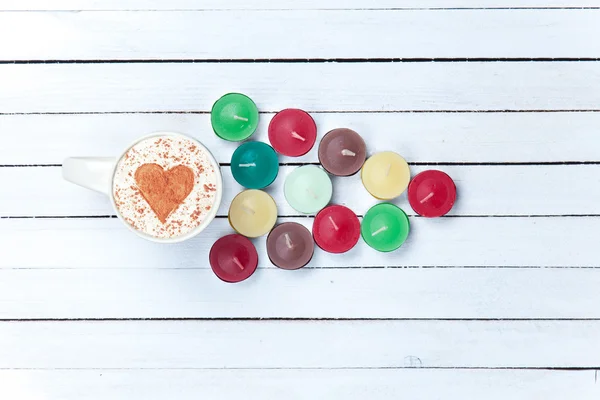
[{"x": 164, "y": 190}]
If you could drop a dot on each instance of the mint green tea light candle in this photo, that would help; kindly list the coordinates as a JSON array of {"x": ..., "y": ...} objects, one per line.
[
  {"x": 308, "y": 189},
  {"x": 234, "y": 117},
  {"x": 385, "y": 227},
  {"x": 254, "y": 165}
]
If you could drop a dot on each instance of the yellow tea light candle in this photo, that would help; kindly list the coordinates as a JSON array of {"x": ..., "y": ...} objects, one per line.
[
  {"x": 252, "y": 213},
  {"x": 385, "y": 175}
]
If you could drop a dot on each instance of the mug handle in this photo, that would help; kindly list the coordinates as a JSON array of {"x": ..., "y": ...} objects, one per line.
[{"x": 90, "y": 172}]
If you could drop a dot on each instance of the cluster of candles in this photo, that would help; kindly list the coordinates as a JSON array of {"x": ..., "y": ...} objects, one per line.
[{"x": 308, "y": 189}]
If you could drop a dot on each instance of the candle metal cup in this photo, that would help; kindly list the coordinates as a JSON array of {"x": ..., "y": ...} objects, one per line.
[
  {"x": 342, "y": 152},
  {"x": 290, "y": 246}
]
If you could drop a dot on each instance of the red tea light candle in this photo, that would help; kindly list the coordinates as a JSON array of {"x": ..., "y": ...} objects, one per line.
[
  {"x": 336, "y": 229},
  {"x": 342, "y": 152},
  {"x": 432, "y": 193},
  {"x": 290, "y": 246},
  {"x": 233, "y": 258},
  {"x": 292, "y": 132}
]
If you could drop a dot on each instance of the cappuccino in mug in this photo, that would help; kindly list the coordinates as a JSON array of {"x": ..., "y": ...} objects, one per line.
[{"x": 166, "y": 186}]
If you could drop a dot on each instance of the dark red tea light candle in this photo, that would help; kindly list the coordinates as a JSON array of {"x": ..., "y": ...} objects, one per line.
[
  {"x": 292, "y": 132},
  {"x": 290, "y": 246},
  {"x": 336, "y": 229},
  {"x": 342, "y": 152},
  {"x": 432, "y": 193},
  {"x": 233, "y": 258}
]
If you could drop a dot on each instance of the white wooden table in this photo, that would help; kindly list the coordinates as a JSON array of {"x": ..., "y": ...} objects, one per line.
[{"x": 498, "y": 300}]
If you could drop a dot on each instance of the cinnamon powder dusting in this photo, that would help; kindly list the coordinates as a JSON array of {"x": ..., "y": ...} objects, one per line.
[{"x": 157, "y": 201}]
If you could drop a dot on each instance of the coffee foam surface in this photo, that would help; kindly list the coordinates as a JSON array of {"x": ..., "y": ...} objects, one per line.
[{"x": 168, "y": 152}]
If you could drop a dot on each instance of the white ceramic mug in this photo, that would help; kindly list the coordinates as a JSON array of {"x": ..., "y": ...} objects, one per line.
[{"x": 97, "y": 173}]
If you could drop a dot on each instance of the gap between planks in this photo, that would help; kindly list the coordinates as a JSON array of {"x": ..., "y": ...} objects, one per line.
[
  {"x": 414, "y": 163},
  {"x": 286, "y": 319},
  {"x": 423, "y": 111},
  {"x": 353, "y": 60},
  {"x": 516, "y": 7},
  {"x": 109, "y": 216},
  {"x": 508, "y": 368}
]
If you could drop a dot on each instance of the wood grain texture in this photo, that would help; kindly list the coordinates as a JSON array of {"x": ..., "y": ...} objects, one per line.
[
  {"x": 299, "y": 384},
  {"x": 483, "y": 190},
  {"x": 308, "y": 293},
  {"x": 419, "y": 137},
  {"x": 298, "y": 344},
  {"x": 383, "y": 87},
  {"x": 136, "y": 5},
  {"x": 448, "y": 242},
  {"x": 383, "y": 34}
]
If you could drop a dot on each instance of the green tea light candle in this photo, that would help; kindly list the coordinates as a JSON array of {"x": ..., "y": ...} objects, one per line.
[
  {"x": 234, "y": 117},
  {"x": 385, "y": 227},
  {"x": 254, "y": 165},
  {"x": 308, "y": 189}
]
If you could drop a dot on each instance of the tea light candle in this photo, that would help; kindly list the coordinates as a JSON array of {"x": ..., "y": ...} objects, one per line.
[
  {"x": 342, "y": 152},
  {"x": 252, "y": 213},
  {"x": 432, "y": 193},
  {"x": 254, "y": 165},
  {"x": 385, "y": 175},
  {"x": 233, "y": 258},
  {"x": 292, "y": 132},
  {"x": 336, "y": 229},
  {"x": 385, "y": 227},
  {"x": 290, "y": 246},
  {"x": 308, "y": 189},
  {"x": 234, "y": 117}
]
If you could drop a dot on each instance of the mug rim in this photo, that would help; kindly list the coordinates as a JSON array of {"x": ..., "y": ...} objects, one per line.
[{"x": 211, "y": 215}]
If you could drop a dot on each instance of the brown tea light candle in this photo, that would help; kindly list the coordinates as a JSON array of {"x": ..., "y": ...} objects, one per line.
[
  {"x": 290, "y": 246},
  {"x": 342, "y": 152}
]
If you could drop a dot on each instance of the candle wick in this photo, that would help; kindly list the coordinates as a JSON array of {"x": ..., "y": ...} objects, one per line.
[
  {"x": 237, "y": 262},
  {"x": 337, "y": 228},
  {"x": 430, "y": 195},
  {"x": 288, "y": 241},
  {"x": 347, "y": 152},
  {"x": 248, "y": 210},
  {"x": 240, "y": 118},
  {"x": 309, "y": 190},
  {"x": 247, "y": 165},
  {"x": 378, "y": 231},
  {"x": 389, "y": 167},
  {"x": 295, "y": 135}
]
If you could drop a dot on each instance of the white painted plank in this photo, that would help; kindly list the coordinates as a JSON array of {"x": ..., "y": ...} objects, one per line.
[
  {"x": 419, "y": 137},
  {"x": 78, "y": 5},
  {"x": 446, "y": 242},
  {"x": 307, "y": 293},
  {"x": 298, "y": 384},
  {"x": 482, "y": 190},
  {"x": 315, "y": 34},
  {"x": 298, "y": 344},
  {"x": 313, "y": 87}
]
